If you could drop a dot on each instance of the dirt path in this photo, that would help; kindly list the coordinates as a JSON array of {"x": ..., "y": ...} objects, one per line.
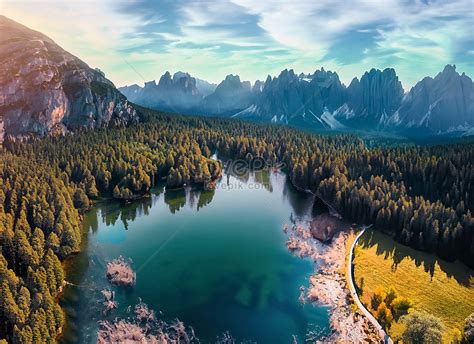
[{"x": 355, "y": 296}]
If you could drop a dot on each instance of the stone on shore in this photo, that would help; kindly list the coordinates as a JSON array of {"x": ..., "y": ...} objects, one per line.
[{"x": 325, "y": 226}]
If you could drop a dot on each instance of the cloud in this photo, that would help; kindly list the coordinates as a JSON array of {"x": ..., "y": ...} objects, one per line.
[
  {"x": 405, "y": 34},
  {"x": 256, "y": 38}
]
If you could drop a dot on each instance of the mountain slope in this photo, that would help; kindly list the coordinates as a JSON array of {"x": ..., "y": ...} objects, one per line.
[
  {"x": 444, "y": 104},
  {"x": 372, "y": 100},
  {"x": 177, "y": 93},
  {"x": 44, "y": 89},
  {"x": 299, "y": 100},
  {"x": 229, "y": 97}
]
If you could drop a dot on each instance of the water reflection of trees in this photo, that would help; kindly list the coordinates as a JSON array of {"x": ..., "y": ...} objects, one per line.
[
  {"x": 200, "y": 198},
  {"x": 302, "y": 205},
  {"x": 262, "y": 177},
  {"x": 111, "y": 211},
  {"x": 175, "y": 199},
  {"x": 246, "y": 176},
  {"x": 190, "y": 197}
]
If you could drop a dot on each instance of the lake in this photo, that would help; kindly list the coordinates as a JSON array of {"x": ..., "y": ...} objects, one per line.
[{"x": 216, "y": 260}]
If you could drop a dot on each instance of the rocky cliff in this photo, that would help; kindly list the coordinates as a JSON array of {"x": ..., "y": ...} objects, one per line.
[
  {"x": 301, "y": 100},
  {"x": 444, "y": 104},
  {"x": 178, "y": 93},
  {"x": 229, "y": 97},
  {"x": 44, "y": 89},
  {"x": 372, "y": 100}
]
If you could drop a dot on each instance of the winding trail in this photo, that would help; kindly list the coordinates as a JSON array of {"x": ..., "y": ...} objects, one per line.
[
  {"x": 350, "y": 269},
  {"x": 364, "y": 311}
]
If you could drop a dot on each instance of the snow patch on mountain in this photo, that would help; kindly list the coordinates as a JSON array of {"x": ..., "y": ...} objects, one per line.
[
  {"x": 465, "y": 128},
  {"x": 251, "y": 110},
  {"x": 426, "y": 118},
  {"x": 394, "y": 119},
  {"x": 318, "y": 119},
  {"x": 330, "y": 120},
  {"x": 344, "y": 112}
]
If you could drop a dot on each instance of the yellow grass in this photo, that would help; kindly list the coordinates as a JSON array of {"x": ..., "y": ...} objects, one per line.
[{"x": 443, "y": 289}]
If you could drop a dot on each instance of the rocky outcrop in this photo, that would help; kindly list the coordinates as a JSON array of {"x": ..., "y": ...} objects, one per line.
[
  {"x": 175, "y": 93},
  {"x": 44, "y": 89},
  {"x": 304, "y": 99},
  {"x": 230, "y": 96},
  {"x": 444, "y": 104},
  {"x": 178, "y": 90},
  {"x": 372, "y": 100},
  {"x": 282, "y": 98},
  {"x": 375, "y": 102},
  {"x": 204, "y": 87}
]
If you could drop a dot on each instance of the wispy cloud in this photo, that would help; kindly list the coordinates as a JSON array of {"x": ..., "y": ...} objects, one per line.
[
  {"x": 254, "y": 38},
  {"x": 405, "y": 34}
]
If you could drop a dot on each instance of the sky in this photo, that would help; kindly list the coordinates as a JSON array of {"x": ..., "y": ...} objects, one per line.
[{"x": 134, "y": 41}]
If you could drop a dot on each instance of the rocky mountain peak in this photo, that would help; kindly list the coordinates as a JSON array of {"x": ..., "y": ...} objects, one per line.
[
  {"x": 231, "y": 96},
  {"x": 354, "y": 83},
  {"x": 165, "y": 80},
  {"x": 376, "y": 96},
  {"x": 444, "y": 103},
  {"x": 325, "y": 78},
  {"x": 44, "y": 89},
  {"x": 232, "y": 79},
  {"x": 268, "y": 81},
  {"x": 449, "y": 69},
  {"x": 151, "y": 84},
  {"x": 287, "y": 75},
  {"x": 232, "y": 82},
  {"x": 258, "y": 86},
  {"x": 178, "y": 75}
]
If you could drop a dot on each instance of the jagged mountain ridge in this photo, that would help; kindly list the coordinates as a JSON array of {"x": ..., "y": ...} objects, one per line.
[
  {"x": 375, "y": 102},
  {"x": 374, "y": 98},
  {"x": 180, "y": 92},
  {"x": 444, "y": 103},
  {"x": 229, "y": 97},
  {"x": 303, "y": 99},
  {"x": 44, "y": 89}
]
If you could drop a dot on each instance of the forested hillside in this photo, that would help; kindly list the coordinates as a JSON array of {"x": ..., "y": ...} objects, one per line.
[{"x": 423, "y": 196}]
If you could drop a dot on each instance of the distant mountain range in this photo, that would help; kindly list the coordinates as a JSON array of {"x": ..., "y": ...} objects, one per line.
[
  {"x": 443, "y": 105},
  {"x": 44, "y": 89}
]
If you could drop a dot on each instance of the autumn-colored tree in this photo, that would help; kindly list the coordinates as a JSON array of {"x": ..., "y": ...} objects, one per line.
[{"x": 422, "y": 328}]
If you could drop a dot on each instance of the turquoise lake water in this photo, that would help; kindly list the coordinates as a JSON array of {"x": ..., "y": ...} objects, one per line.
[{"x": 216, "y": 260}]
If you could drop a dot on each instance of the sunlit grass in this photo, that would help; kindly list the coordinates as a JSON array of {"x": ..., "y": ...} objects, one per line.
[{"x": 441, "y": 288}]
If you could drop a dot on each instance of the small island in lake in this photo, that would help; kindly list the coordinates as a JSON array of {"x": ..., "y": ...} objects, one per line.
[{"x": 119, "y": 272}]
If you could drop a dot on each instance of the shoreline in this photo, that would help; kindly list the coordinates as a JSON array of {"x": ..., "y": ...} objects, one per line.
[{"x": 328, "y": 285}]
